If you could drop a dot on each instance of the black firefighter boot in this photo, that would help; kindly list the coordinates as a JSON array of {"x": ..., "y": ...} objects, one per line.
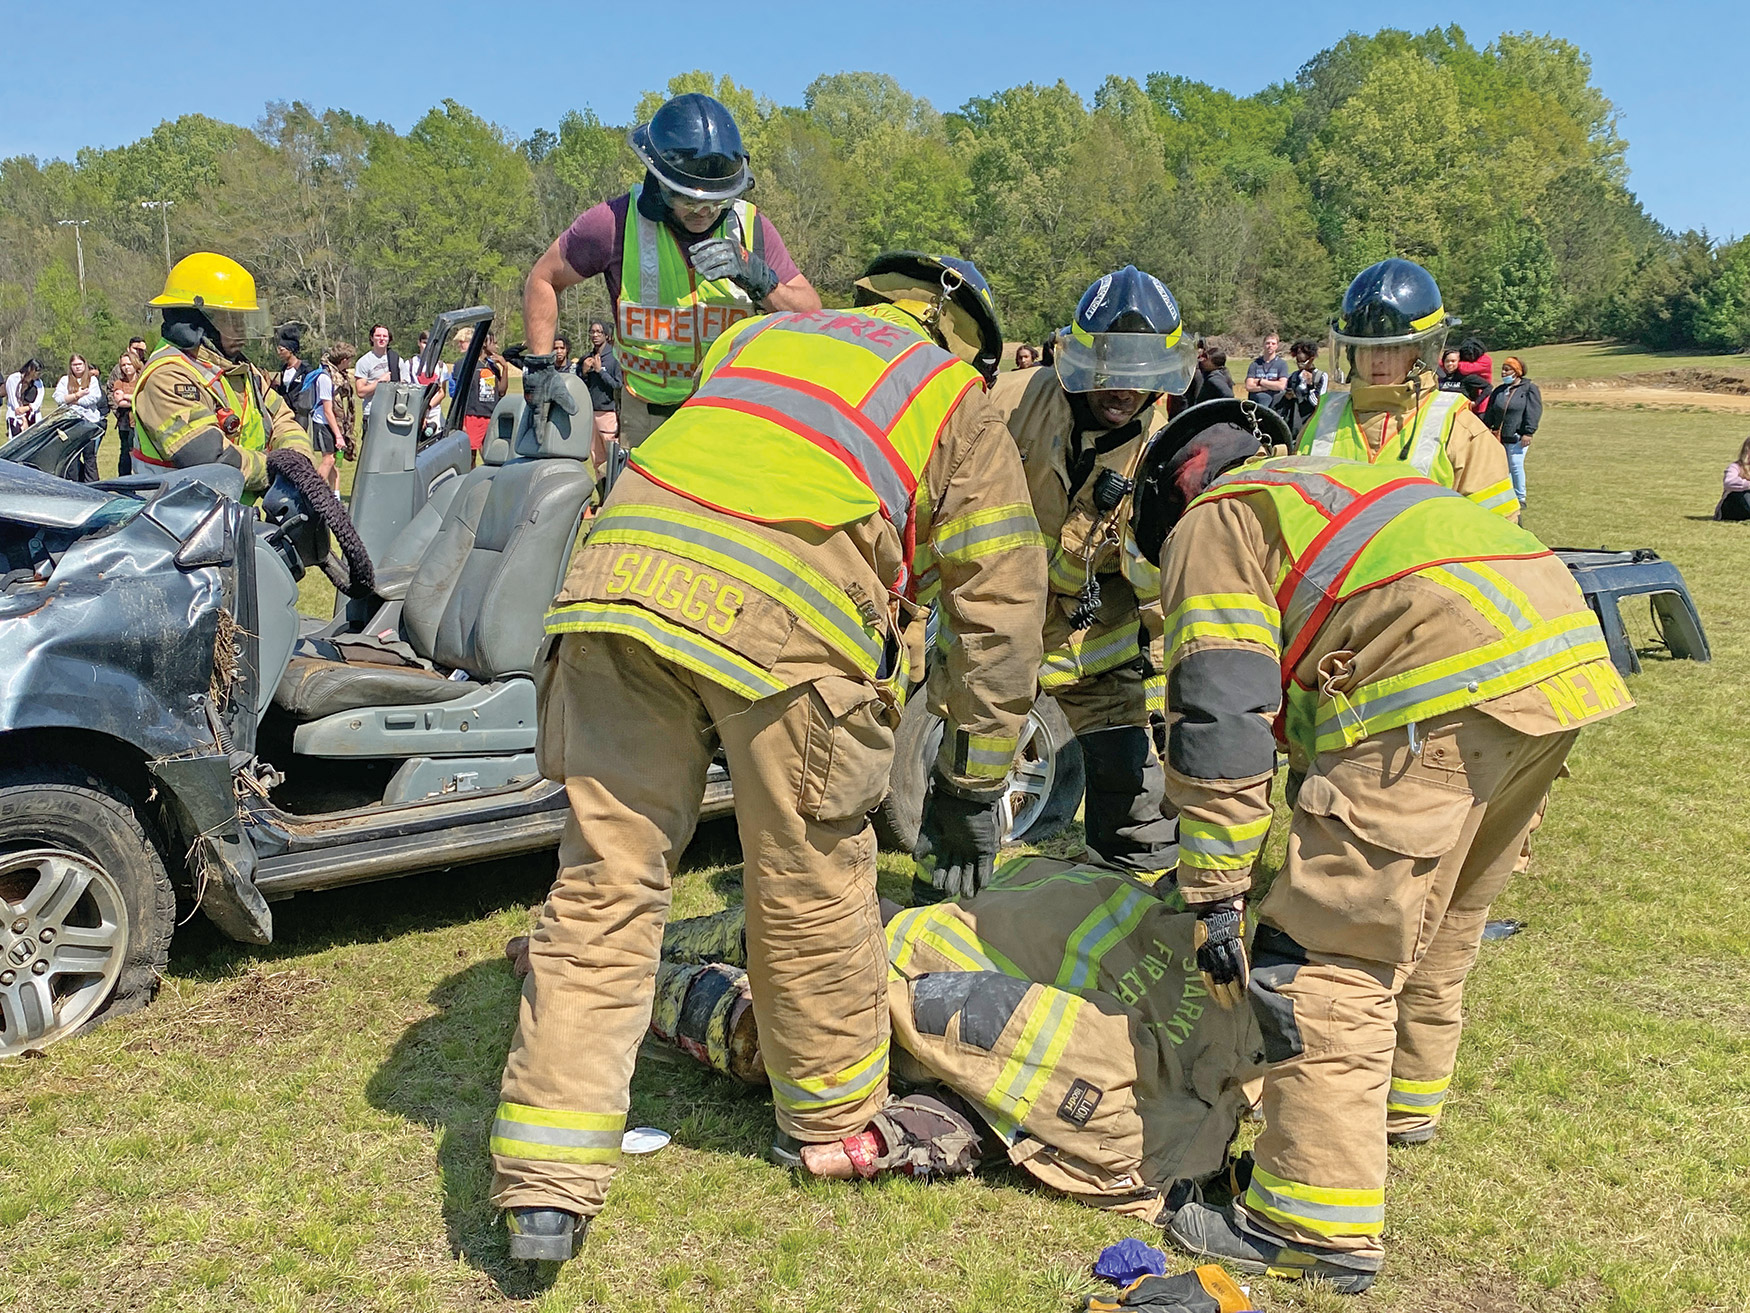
[
  {"x": 544, "y": 1235},
  {"x": 1218, "y": 1233}
]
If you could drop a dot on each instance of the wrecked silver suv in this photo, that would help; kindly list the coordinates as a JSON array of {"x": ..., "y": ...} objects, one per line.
[{"x": 172, "y": 730}]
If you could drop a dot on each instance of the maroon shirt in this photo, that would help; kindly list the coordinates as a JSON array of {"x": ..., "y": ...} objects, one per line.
[{"x": 596, "y": 244}]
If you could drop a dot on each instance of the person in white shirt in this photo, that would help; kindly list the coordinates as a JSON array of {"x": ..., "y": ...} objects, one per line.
[
  {"x": 80, "y": 392},
  {"x": 379, "y": 364},
  {"x": 24, "y": 397}
]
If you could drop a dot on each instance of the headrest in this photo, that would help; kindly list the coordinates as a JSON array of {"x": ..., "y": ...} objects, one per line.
[
  {"x": 501, "y": 430},
  {"x": 563, "y": 437}
]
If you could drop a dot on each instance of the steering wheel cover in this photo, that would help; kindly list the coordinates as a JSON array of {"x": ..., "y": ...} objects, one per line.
[{"x": 352, "y": 573}]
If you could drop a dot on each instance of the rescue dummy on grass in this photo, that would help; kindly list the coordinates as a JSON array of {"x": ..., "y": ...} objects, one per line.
[
  {"x": 1057, "y": 1019},
  {"x": 198, "y": 401},
  {"x": 749, "y": 586},
  {"x": 1426, "y": 665},
  {"x": 1394, "y": 416},
  {"x": 1082, "y": 427}
]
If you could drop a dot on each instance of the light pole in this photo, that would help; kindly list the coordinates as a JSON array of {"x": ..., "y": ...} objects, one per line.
[
  {"x": 79, "y": 245},
  {"x": 163, "y": 208}
]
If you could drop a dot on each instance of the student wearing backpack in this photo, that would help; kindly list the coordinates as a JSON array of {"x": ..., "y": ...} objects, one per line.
[
  {"x": 315, "y": 398},
  {"x": 294, "y": 373}
]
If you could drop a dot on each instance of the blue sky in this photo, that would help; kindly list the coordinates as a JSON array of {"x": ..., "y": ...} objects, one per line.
[{"x": 1674, "y": 70}]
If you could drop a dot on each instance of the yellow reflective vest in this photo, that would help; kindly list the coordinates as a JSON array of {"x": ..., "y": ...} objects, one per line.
[
  {"x": 1379, "y": 600},
  {"x": 251, "y": 433},
  {"x": 1346, "y": 528},
  {"x": 803, "y": 422},
  {"x": 823, "y": 417},
  {"x": 668, "y": 315},
  {"x": 1420, "y": 442}
]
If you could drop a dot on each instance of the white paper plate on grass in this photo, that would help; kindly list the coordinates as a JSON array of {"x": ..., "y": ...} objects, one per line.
[{"x": 643, "y": 1139}]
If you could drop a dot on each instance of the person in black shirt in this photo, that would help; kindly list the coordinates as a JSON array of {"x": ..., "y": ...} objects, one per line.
[
  {"x": 1472, "y": 385},
  {"x": 600, "y": 372}
]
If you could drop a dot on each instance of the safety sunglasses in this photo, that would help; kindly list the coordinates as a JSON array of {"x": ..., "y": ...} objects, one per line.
[{"x": 681, "y": 203}]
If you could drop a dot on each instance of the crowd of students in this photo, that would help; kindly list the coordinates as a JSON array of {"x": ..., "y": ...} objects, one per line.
[{"x": 327, "y": 394}]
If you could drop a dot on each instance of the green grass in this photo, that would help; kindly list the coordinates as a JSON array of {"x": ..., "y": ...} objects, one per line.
[
  {"x": 1579, "y": 361},
  {"x": 304, "y": 1126}
]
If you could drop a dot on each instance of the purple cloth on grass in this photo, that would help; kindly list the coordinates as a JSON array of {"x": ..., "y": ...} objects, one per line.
[{"x": 1127, "y": 1260}]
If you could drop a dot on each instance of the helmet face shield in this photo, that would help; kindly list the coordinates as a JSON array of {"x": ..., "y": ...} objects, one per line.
[
  {"x": 234, "y": 327},
  {"x": 1436, "y": 334},
  {"x": 1138, "y": 362}
]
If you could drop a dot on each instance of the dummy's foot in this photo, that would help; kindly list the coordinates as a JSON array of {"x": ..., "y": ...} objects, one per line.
[
  {"x": 544, "y": 1235},
  {"x": 517, "y": 950},
  {"x": 921, "y": 1135},
  {"x": 1207, "y": 1232}
]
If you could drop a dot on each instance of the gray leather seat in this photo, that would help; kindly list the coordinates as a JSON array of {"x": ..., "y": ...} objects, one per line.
[{"x": 481, "y": 589}]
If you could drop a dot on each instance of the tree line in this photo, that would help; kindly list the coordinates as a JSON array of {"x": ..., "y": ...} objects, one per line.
[{"x": 1500, "y": 168}]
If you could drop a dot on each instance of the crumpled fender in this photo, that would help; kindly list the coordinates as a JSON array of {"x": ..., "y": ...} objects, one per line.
[
  {"x": 220, "y": 857},
  {"x": 119, "y": 643}
]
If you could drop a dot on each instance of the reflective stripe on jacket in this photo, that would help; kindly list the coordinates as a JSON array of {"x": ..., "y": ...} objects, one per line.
[
  {"x": 155, "y": 445},
  {"x": 1085, "y": 543},
  {"x": 668, "y": 315}
]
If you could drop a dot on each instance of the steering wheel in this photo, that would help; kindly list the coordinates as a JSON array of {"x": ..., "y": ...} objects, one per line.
[{"x": 315, "y": 524}]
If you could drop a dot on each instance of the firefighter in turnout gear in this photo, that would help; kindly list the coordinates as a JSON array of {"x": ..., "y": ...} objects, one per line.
[
  {"x": 198, "y": 401},
  {"x": 747, "y": 586},
  {"x": 1081, "y": 428},
  {"x": 684, "y": 256},
  {"x": 1393, "y": 415},
  {"x": 1426, "y": 665}
]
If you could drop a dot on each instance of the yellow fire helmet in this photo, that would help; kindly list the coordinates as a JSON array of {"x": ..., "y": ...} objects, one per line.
[{"x": 211, "y": 283}]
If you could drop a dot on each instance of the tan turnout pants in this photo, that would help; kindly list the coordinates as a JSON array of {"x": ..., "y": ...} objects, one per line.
[
  {"x": 632, "y": 735},
  {"x": 1364, "y": 944}
]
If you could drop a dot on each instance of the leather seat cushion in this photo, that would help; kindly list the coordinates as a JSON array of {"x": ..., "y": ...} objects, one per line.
[{"x": 313, "y": 687}]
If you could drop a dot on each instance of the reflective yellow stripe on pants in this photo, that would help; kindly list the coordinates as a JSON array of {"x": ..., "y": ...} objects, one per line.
[
  {"x": 552, "y": 1135},
  {"x": 1318, "y": 1209},
  {"x": 812, "y": 1092},
  {"x": 1035, "y": 1056},
  {"x": 1419, "y": 1098}
]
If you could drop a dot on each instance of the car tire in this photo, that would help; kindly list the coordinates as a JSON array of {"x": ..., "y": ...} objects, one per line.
[
  {"x": 76, "y": 863},
  {"x": 1050, "y": 753}
]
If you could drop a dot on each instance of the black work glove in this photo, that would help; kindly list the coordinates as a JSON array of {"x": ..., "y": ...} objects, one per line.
[
  {"x": 1220, "y": 938},
  {"x": 958, "y": 841},
  {"x": 723, "y": 257},
  {"x": 543, "y": 386}
]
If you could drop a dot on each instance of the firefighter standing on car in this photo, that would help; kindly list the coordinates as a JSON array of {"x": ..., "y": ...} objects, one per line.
[
  {"x": 746, "y": 586},
  {"x": 198, "y": 401},
  {"x": 1081, "y": 428},
  {"x": 1392, "y": 324},
  {"x": 683, "y": 255},
  {"x": 1427, "y": 666}
]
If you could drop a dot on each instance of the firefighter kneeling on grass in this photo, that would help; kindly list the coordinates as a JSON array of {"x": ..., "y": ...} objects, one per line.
[
  {"x": 1427, "y": 666},
  {"x": 745, "y": 586},
  {"x": 198, "y": 401}
]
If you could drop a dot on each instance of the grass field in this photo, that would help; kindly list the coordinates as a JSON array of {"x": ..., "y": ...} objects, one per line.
[
  {"x": 304, "y": 1126},
  {"x": 1579, "y": 361}
]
